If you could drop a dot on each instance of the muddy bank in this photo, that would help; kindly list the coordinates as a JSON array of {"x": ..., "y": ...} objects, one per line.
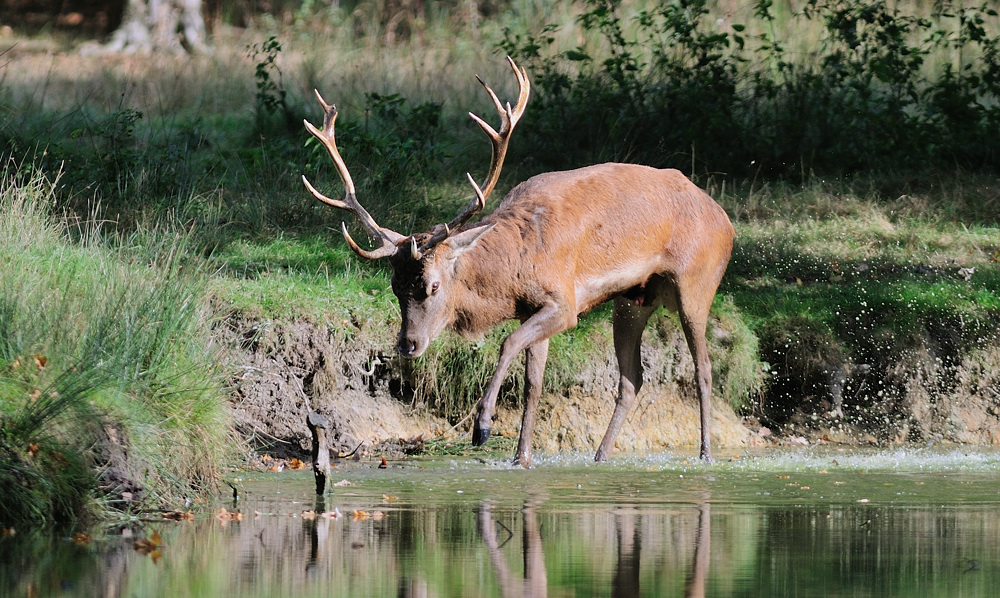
[
  {"x": 287, "y": 369},
  {"x": 927, "y": 395}
]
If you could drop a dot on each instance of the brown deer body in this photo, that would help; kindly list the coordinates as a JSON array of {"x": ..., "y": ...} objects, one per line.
[{"x": 558, "y": 245}]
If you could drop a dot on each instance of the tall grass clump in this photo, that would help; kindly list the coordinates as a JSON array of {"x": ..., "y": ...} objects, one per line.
[{"x": 109, "y": 390}]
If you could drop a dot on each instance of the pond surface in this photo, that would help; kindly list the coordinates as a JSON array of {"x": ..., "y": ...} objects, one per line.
[{"x": 776, "y": 523}]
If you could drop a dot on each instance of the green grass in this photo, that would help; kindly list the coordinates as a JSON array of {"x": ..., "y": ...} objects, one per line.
[
  {"x": 313, "y": 276},
  {"x": 101, "y": 355}
]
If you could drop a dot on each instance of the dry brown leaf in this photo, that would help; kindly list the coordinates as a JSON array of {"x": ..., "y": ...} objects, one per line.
[
  {"x": 223, "y": 515},
  {"x": 148, "y": 546},
  {"x": 179, "y": 516}
]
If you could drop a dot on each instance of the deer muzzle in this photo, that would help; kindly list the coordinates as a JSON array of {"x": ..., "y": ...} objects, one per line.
[{"x": 411, "y": 347}]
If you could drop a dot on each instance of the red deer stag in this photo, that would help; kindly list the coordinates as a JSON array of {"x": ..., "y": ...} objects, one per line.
[{"x": 559, "y": 244}]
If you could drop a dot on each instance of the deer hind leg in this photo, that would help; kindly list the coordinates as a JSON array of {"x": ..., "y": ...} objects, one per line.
[
  {"x": 534, "y": 370},
  {"x": 629, "y": 322},
  {"x": 695, "y": 301},
  {"x": 694, "y": 331}
]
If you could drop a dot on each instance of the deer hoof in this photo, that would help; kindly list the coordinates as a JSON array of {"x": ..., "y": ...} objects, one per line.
[{"x": 480, "y": 435}]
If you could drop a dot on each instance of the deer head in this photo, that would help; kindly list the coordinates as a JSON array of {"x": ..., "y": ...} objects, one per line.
[{"x": 423, "y": 264}]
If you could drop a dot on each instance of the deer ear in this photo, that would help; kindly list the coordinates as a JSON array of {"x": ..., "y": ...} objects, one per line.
[{"x": 467, "y": 239}]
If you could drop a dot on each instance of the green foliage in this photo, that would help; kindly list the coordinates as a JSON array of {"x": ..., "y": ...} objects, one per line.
[
  {"x": 301, "y": 276},
  {"x": 271, "y": 95},
  {"x": 396, "y": 146},
  {"x": 737, "y": 369},
  {"x": 670, "y": 87}
]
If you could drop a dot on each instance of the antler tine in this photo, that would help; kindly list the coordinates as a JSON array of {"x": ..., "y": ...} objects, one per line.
[
  {"x": 508, "y": 120},
  {"x": 386, "y": 237},
  {"x": 499, "y": 139}
]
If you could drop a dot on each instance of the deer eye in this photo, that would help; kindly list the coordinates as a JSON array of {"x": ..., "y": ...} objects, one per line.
[{"x": 434, "y": 287}]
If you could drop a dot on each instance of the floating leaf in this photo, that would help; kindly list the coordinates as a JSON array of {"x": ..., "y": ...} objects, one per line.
[
  {"x": 223, "y": 515},
  {"x": 179, "y": 516},
  {"x": 149, "y": 546}
]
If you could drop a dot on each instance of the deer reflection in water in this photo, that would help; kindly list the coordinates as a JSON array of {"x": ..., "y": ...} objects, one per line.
[
  {"x": 629, "y": 535},
  {"x": 534, "y": 584},
  {"x": 695, "y": 585}
]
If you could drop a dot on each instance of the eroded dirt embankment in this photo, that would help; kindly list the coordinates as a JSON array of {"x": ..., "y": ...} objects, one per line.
[{"x": 287, "y": 369}]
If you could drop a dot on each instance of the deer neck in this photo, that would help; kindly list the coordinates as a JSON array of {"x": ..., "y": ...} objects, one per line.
[{"x": 486, "y": 288}]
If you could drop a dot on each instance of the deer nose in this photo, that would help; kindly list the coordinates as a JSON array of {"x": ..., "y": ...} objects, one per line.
[{"x": 407, "y": 347}]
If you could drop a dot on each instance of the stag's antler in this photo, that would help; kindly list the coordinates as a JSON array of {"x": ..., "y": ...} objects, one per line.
[
  {"x": 387, "y": 238},
  {"x": 508, "y": 120}
]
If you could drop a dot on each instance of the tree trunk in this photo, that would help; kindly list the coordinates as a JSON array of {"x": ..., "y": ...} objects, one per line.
[{"x": 175, "y": 26}]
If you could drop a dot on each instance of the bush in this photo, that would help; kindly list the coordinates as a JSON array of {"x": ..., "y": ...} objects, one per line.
[{"x": 672, "y": 87}]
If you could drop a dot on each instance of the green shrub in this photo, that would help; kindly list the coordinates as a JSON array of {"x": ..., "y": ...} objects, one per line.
[{"x": 673, "y": 86}]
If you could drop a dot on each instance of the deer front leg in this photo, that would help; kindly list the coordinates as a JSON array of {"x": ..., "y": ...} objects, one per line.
[
  {"x": 539, "y": 327},
  {"x": 629, "y": 322},
  {"x": 534, "y": 370}
]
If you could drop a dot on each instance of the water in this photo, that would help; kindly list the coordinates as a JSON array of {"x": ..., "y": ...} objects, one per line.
[{"x": 780, "y": 523}]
